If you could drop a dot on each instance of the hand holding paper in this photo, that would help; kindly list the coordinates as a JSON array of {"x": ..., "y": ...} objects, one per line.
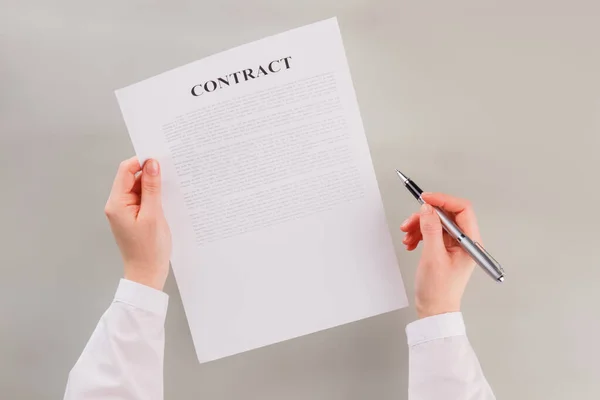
[{"x": 134, "y": 210}]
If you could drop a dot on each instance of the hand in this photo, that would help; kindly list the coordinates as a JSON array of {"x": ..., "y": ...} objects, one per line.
[
  {"x": 135, "y": 213},
  {"x": 445, "y": 268}
]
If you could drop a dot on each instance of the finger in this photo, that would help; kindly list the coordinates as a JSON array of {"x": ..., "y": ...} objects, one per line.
[
  {"x": 412, "y": 237},
  {"x": 449, "y": 241},
  {"x": 461, "y": 208},
  {"x": 412, "y": 246},
  {"x": 431, "y": 229},
  {"x": 137, "y": 186},
  {"x": 135, "y": 195},
  {"x": 410, "y": 223},
  {"x": 125, "y": 178},
  {"x": 445, "y": 201},
  {"x": 151, "y": 188}
]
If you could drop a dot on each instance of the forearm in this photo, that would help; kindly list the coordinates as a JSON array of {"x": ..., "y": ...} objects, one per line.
[
  {"x": 124, "y": 356},
  {"x": 442, "y": 363}
]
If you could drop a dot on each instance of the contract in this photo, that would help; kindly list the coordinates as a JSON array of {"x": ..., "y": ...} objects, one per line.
[{"x": 268, "y": 187}]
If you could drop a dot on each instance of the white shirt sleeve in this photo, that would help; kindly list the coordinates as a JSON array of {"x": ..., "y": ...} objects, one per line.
[
  {"x": 442, "y": 363},
  {"x": 124, "y": 357}
]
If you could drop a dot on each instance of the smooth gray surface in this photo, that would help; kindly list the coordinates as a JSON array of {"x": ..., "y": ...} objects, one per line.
[{"x": 495, "y": 101}]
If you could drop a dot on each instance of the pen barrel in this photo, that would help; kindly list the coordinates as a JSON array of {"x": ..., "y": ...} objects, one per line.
[
  {"x": 449, "y": 225},
  {"x": 414, "y": 189},
  {"x": 483, "y": 258},
  {"x": 474, "y": 249}
]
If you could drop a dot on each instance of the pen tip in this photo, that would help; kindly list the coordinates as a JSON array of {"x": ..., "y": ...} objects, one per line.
[{"x": 402, "y": 176}]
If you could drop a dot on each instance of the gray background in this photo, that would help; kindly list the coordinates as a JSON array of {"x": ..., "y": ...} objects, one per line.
[{"x": 495, "y": 101}]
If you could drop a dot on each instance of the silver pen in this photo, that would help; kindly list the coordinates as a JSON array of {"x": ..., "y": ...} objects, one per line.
[{"x": 475, "y": 250}]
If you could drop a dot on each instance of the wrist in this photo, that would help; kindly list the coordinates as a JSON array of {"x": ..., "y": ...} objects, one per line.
[
  {"x": 153, "y": 281},
  {"x": 425, "y": 311}
]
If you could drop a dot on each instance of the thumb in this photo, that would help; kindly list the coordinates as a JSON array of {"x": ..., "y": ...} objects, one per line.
[
  {"x": 151, "y": 199},
  {"x": 431, "y": 229}
]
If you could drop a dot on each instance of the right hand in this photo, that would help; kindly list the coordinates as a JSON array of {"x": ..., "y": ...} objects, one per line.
[{"x": 445, "y": 268}]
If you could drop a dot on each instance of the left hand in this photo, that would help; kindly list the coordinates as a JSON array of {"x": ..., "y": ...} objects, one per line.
[{"x": 134, "y": 210}]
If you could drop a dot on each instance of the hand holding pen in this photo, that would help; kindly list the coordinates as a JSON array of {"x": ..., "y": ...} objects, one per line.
[
  {"x": 470, "y": 246},
  {"x": 445, "y": 266}
]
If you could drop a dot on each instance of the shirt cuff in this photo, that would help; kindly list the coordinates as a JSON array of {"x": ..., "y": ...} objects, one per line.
[
  {"x": 435, "y": 327},
  {"x": 142, "y": 297}
]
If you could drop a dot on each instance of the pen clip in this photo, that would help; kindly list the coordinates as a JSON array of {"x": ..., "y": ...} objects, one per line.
[{"x": 492, "y": 259}]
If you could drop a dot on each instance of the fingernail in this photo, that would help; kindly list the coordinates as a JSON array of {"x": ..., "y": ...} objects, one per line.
[
  {"x": 405, "y": 222},
  {"x": 426, "y": 209},
  {"x": 426, "y": 194},
  {"x": 152, "y": 167}
]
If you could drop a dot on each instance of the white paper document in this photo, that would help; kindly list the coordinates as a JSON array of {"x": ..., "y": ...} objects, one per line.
[{"x": 277, "y": 222}]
